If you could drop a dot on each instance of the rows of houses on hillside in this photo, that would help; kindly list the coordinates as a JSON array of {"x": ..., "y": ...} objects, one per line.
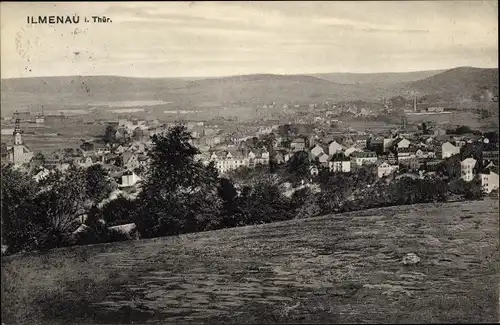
[
  {"x": 340, "y": 153},
  {"x": 385, "y": 155}
]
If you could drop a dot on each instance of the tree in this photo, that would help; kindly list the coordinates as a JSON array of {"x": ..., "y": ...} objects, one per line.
[
  {"x": 180, "y": 194},
  {"x": 98, "y": 185},
  {"x": 4, "y": 149},
  {"x": 61, "y": 199},
  {"x": 492, "y": 136},
  {"x": 137, "y": 134},
  {"x": 305, "y": 203},
  {"x": 19, "y": 228},
  {"x": 232, "y": 215},
  {"x": 264, "y": 203},
  {"x": 298, "y": 166},
  {"x": 461, "y": 130},
  {"x": 69, "y": 152},
  {"x": 474, "y": 150},
  {"x": 109, "y": 134},
  {"x": 450, "y": 166},
  {"x": 38, "y": 159},
  {"x": 119, "y": 211},
  {"x": 87, "y": 146}
]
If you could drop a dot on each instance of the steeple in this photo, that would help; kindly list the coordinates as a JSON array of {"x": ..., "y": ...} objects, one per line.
[{"x": 18, "y": 140}]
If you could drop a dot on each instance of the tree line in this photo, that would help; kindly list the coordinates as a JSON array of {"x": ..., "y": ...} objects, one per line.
[{"x": 181, "y": 194}]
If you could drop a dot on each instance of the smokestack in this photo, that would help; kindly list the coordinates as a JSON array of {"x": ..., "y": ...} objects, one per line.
[{"x": 415, "y": 104}]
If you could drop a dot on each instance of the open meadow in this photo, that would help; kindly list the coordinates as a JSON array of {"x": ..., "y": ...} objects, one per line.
[{"x": 341, "y": 268}]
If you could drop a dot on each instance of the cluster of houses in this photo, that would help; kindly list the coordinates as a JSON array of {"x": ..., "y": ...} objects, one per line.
[
  {"x": 119, "y": 161},
  {"x": 385, "y": 154}
]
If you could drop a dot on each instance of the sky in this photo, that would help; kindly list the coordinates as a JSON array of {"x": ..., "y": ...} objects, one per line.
[{"x": 204, "y": 39}]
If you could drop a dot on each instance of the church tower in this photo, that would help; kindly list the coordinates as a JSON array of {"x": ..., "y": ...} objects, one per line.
[
  {"x": 18, "y": 139},
  {"x": 19, "y": 153}
]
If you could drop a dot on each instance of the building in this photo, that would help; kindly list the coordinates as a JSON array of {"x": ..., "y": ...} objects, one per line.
[
  {"x": 387, "y": 144},
  {"x": 383, "y": 168},
  {"x": 261, "y": 157},
  {"x": 439, "y": 131},
  {"x": 42, "y": 174},
  {"x": 467, "y": 169},
  {"x": 360, "y": 140},
  {"x": 339, "y": 163},
  {"x": 120, "y": 149},
  {"x": 314, "y": 171},
  {"x": 316, "y": 151},
  {"x": 130, "y": 160},
  {"x": 490, "y": 155},
  {"x": 377, "y": 145},
  {"x": 84, "y": 161},
  {"x": 137, "y": 147},
  {"x": 19, "y": 154},
  {"x": 101, "y": 149},
  {"x": 448, "y": 150},
  {"x": 230, "y": 160},
  {"x": 129, "y": 179},
  {"x": 405, "y": 154},
  {"x": 334, "y": 147},
  {"x": 489, "y": 179},
  {"x": 363, "y": 158},
  {"x": 435, "y": 109},
  {"x": 425, "y": 154},
  {"x": 392, "y": 158},
  {"x": 40, "y": 119},
  {"x": 323, "y": 159},
  {"x": 21, "y": 116},
  {"x": 298, "y": 144},
  {"x": 403, "y": 143},
  {"x": 351, "y": 150}
]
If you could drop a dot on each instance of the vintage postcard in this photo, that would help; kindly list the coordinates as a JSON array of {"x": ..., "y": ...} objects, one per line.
[{"x": 249, "y": 162}]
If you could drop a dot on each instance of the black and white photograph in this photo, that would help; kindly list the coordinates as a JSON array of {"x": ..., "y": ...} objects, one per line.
[{"x": 249, "y": 162}]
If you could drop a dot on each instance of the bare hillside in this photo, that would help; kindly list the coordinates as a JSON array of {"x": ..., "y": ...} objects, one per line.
[{"x": 332, "y": 269}]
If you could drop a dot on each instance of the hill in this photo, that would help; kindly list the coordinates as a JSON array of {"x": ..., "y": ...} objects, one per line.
[
  {"x": 459, "y": 83},
  {"x": 249, "y": 89},
  {"x": 342, "y": 268},
  {"x": 77, "y": 92},
  {"x": 382, "y": 79}
]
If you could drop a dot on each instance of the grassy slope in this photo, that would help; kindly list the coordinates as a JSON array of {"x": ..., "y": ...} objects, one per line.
[{"x": 340, "y": 268}]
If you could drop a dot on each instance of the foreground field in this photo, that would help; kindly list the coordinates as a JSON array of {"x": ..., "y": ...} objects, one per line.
[{"x": 337, "y": 269}]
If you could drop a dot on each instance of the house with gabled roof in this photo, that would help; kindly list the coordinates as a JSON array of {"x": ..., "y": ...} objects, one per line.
[
  {"x": 334, "y": 147},
  {"x": 363, "y": 158},
  {"x": 129, "y": 179},
  {"x": 317, "y": 150},
  {"x": 298, "y": 144},
  {"x": 323, "y": 159},
  {"x": 130, "y": 160},
  {"x": 360, "y": 140},
  {"x": 467, "y": 169},
  {"x": 405, "y": 154},
  {"x": 383, "y": 168},
  {"x": 403, "y": 143},
  {"x": 101, "y": 149},
  {"x": 351, "y": 150},
  {"x": 489, "y": 179},
  {"x": 339, "y": 162},
  {"x": 448, "y": 150}
]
